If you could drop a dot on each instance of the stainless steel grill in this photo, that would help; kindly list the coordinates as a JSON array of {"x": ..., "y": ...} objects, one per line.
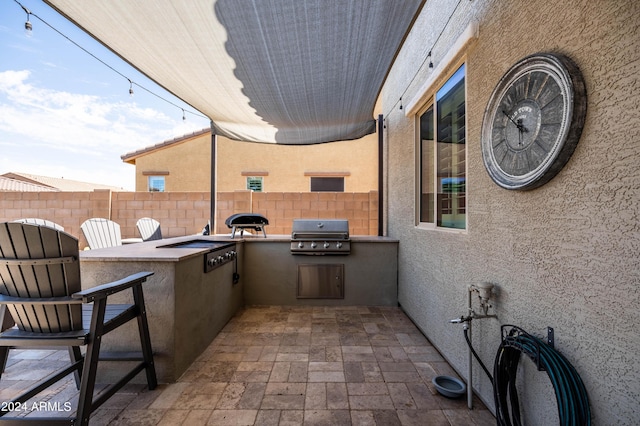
[{"x": 320, "y": 237}]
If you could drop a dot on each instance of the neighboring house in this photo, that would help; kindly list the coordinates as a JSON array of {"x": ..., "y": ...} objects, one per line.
[
  {"x": 16, "y": 185},
  {"x": 183, "y": 164},
  {"x": 25, "y": 182}
]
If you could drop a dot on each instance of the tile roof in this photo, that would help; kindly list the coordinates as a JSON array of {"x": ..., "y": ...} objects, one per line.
[
  {"x": 15, "y": 185},
  {"x": 31, "y": 182},
  {"x": 130, "y": 157}
]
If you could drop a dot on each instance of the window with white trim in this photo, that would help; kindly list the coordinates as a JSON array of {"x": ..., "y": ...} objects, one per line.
[
  {"x": 442, "y": 150},
  {"x": 156, "y": 183}
]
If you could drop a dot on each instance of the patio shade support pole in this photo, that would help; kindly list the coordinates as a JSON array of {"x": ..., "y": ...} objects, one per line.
[
  {"x": 380, "y": 174},
  {"x": 212, "y": 213}
]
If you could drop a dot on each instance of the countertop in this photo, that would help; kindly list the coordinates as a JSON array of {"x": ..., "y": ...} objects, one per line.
[{"x": 152, "y": 250}]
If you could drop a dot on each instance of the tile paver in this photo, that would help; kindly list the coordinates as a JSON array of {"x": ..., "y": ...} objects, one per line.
[{"x": 285, "y": 365}]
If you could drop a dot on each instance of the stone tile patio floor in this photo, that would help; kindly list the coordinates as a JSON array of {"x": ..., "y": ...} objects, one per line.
[{"x": 280, "y": 365}]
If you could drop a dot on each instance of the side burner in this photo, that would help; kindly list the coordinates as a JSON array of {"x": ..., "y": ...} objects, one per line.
[{"x": 219, "y": 252}]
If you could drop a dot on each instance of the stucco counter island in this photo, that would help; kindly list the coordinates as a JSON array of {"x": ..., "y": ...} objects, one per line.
[{"x": 187, "y": 307}]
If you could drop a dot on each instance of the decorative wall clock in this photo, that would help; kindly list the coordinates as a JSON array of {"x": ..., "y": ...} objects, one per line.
[{"x": 533, "y": 121}]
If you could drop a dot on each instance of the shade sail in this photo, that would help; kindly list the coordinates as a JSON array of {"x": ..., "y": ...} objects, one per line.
[{"x": 280, "y": 71}]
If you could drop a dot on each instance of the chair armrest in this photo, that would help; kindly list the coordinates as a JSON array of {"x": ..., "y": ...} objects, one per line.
[
  {"x": 104, "y": 290},
  {"x": 4, "y": 299}
]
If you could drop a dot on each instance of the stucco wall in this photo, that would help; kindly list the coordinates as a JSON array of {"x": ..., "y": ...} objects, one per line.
[
  {"x": 187, "y": 163},
  {"x": 285, "y": 168},
  {"x": 288, "y": 166},
  {"x": 565, "y": 255}
]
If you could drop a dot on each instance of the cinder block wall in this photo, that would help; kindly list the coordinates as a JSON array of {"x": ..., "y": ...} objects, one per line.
[
  {"x": 186, "y": 213},
  {"x": 361, "y": 209}
]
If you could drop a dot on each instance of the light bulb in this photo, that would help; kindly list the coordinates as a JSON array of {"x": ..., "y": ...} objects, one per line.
[{"x": 28, "y": 28}]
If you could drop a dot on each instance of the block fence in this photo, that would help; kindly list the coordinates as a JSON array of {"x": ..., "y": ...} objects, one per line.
[{"x": 186, "y": 213}]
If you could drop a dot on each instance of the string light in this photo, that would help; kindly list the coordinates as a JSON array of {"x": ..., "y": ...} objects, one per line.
[
  {"x": 28, "y": 29},
  {"x": 428, "y": 57}
]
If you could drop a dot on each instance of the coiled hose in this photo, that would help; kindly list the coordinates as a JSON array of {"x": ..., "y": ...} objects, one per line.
[{"x": 571, "y": 395}]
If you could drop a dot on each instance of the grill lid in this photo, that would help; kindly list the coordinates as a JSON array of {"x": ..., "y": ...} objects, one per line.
[
  {"x": 326, "y": 229},
  {"x": 320, "y": 237}
]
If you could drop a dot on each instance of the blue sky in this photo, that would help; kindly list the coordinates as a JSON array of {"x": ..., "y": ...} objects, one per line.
[{"x": 65, "y": 114}]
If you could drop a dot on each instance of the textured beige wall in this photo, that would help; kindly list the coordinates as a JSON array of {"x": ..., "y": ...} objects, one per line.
[
  {"x": 188, "y": 165},
  {"x": 286, "y": 167},
  {"x": 565, "y": 255}
]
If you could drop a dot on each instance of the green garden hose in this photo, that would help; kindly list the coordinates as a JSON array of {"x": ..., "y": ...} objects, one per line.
[{"x": 571, "y": 395}]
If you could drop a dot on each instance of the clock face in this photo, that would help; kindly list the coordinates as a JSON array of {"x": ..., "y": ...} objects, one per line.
[{"x": 533, "y": 121}]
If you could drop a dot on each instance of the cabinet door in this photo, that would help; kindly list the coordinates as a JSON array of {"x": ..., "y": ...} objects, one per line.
[{"x": 320, "y": 281}]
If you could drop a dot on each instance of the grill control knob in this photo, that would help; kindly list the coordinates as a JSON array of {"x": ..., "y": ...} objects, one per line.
[
  {"x": 300, "y": 244},
  {"x": 212, "y": 261},
  {"x": 220, "y": 259},
  {"x": 314, "y": 245},
  {"x": 339, "y": 244},
  {"x": 326, "y": 245}
]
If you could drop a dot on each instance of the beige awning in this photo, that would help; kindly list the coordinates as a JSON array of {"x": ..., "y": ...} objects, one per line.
[{"x": 283, "y": 71}]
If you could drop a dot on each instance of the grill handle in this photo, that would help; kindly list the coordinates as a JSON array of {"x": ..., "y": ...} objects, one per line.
[{"x": 319, "y": 235}]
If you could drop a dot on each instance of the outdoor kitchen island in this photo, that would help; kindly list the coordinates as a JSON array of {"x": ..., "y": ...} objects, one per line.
[{"x": 187, "y": 307}]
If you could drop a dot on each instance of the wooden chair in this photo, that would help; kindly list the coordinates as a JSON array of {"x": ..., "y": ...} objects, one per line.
[
  {"x": 149, "y": 229},
  {"x": 37, "y": 221},
  {"x": 40, "y": 286},
  {"x": 101, "y": 233}
]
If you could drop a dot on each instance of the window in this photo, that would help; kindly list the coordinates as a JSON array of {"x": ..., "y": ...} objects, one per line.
[
  {"x": 254, "y": 183},
  {"x": 442, "y": 198},
  {"x": 156, "y": 183},
  {"x": 327, "y": 184}
]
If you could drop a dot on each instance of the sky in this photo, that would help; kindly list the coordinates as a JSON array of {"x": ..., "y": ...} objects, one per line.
[{"x": 65, "y": 114}]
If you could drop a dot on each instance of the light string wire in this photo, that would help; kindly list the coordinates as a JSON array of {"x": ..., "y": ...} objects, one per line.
[
  {"x": 428, "y": 57},
  {"x": 132, "y": 83}
]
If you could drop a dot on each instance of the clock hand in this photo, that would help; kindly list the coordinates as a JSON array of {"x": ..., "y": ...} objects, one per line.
[
  {"x": 518, "y": 124},
  {"x": 521, "y": 126},
  {"x": 519, "y": 137}
]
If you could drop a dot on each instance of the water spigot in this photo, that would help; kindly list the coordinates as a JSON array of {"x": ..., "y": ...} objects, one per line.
[{"x": 484, "y": 290}]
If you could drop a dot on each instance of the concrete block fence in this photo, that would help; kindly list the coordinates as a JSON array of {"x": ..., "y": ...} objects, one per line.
[{"x": 186, "y": 213}]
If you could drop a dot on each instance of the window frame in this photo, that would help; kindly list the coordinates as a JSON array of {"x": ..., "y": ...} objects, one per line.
[
  {"x": 156, "y": 177},
  {"x": 430, "y": 101},
  {"x": 255, "y": 178},
  {"x": 326, "y": 178}
]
